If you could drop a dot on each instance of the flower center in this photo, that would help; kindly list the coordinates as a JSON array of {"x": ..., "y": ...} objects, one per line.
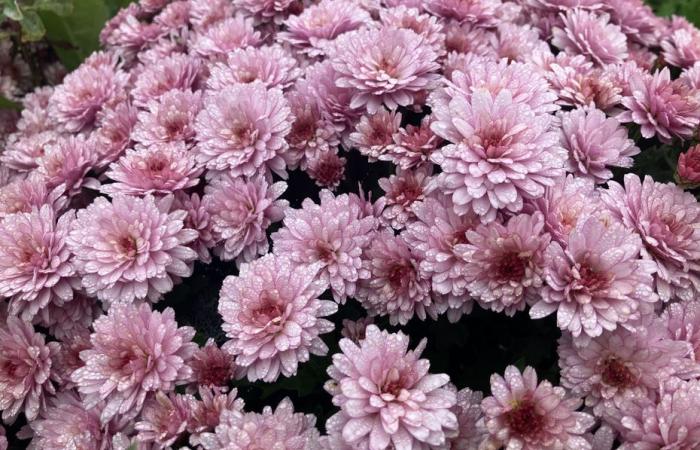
[
  {"x": 524, "y": 420},
  {"x": 590, "y": 279},
  {"x": 242, "y": 135},
  {"x": 157, "y": 163},
  {"x": 399, "y": 271},
  {"x": 269, "y": 312},
  {"x": 303, "y": 129},
  {"x": 616, "y": 374},
  {"x": 325, "y": 251},
  {"x": 393, "y": 384},
  {"x": 511, "y": 267},
  {"x": 127, "y": 246}
]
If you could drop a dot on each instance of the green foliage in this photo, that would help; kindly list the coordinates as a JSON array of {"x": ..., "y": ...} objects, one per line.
[
  {"x": 690, "y": 9},
  {"x": 28, "y": 14}
]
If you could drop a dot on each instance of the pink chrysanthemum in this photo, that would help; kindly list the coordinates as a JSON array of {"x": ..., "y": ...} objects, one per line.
[
  {"x": 463, "y": 39},
  {"x": 273, "y": 317},
  {"x": 662, "y": 107},
  {"x": 204, "y": 14},
  {"x": 36, "y": 266},
  {"x": 623, "y": 364},
  {"x": 334, "y": 101},
  {"x": 23, "y": 153},
  {"x": 206, "y": 413},
  {"x": 240, "y": 212},
  {"x": 505, "y": 263},
  {"x": 67, "y": 424},
  {"x": 84, "y": 92},
  {"x": 668, "y": 221},
  {"x": 594, "y": 143},
  {"x": 395, "y": 286},
  {"x": 211, "y": 366},
  {"x": 477, "y": 12},
  {"x": 386, "y": 396},
  {"x": 597, "y": 280},
  {"x": 70, "y": 317},
  {"x": 164, "y": 419},
  {"x": 113, "y": 136},
  {"x": 389, "y": 66},
  {"x": 682, "y": 320},
  {"x": 131, "y": 248},
  {"x": 221, "y": 38},
  {"x": 503, "y": 153},
  {"x": 178, "y": 71},
  {"x": 413, "y": 146},
  {"x": 326, "y": 168},
  {"x": 471, "y": 430},
  {"x": 691, "y": 76},
  {"x": 318, "y": 25},
  {"x": 169, "y": 118},
  {"x": 590, "y": 34},
  {"x": 438, "y": 235},
  {"x": 668, "y": 423},
  {"x": 272, "y": 65},
  {"x": 135, "y": 351},
  {"x": 333, "y": 233},
  {"x": 402, "y": 193},
  {"x": 682, "y": 47},
  {"x": 355, "y": 330},
  {"x": 242, "y": 130},
  {"x": 66, "y": 162},
  {"x": 158, "y": 169},
  {"x": 198, "y": 219},
  {"x": 26, "y": 375},
  {"x": 424, "y": 25},
  {"x": 281, "y": 428},
  {"x": 268, "y": 9},
  {"x": 636, "y": 19},
  {"x": 374, "y": 134},
  {"x": 23, "y": 195},
  {"x": 529, "y": 415}
]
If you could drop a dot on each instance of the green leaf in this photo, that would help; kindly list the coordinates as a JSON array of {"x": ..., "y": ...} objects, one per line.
[
  {"x": 75, "y": 36},
  {"x": 8, "y": 104},
  {"x": 12, "y": 10},
  {"x": 32, "y": 27},
  {"x": 116, "y": 5},
  {"x": 60, "y": 7}
]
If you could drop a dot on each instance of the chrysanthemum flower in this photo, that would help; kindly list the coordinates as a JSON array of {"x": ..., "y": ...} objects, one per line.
[
  {"x": 84, "y": 92},
  {"x": 402, "y": 193},
  {"x": 281, "y": 428},
  {"x": 26, "y": 375},
  {"x": 312, "y": 31},
  {"x": 355, "y": 330},
  {"x": 268, "y": 9},
  {"x": 662, "y": 107},
  {"x": 273, "y": 317},
  {"x": 682, "y": 47},
  {"x": 333, "y": 233},
  {"x": 502, "y": 153},
  {"x": 164, "y": 419},
  {"x": 174, "y": 72},
  {"x": 623, "y": 364},
  {"x": 477, "y": 12},
  {"x": 169, "y": 118},
  {"x": 131, "y": 248},
  {"x": 36, "y": 266},
  {"x": 670, "y": 422},
  {"x": 206, "y": 413},
  {"x": 157, "y": 169},
  {"x": 205, "y": 14},
  {"x": 198, "y": 219},
  {"x": 597, "y": 280},
  {"x": 22, "y": 153},
  {"x": 384, "y": 66},
  {"x": 594, "y": 143},
  {"x": 135, "y": 351},
  {"x": 590, "y": 34},
  {"x": 271, "y": 65},
  {"x": 334, "y": 101},
  {"x": 425, "y": 25},
  {"x": 505, "y": 263},
  {"x": 113, "y": 136},
  {"x": 636, "y": 19},
  {"x": 240, "y": 212},
  {"x": 68, "y": 424},
  {"x": 413, "y": 145},
  {"x": 68, "y": 318},
  {"x": 525, "y": 414},
  {"x": 667, "y": 219},
  {"x": 374, "y": 134},
  {"x": 326, "y": 168},
  {"x": 66, "y": 162},
  {"x": 682, "y": 320},
  {"x": 691, "y": 76},
  {"x": 242, "y": 130},
  {"x": 23, "y": 195},
  {"x": 396, "y": 287},
  {"x": 211, "y": 366},
  {"x": 221, "y": 38},
  {"x": 386, "y": 396},
  {"x": 471, "y": 430}
]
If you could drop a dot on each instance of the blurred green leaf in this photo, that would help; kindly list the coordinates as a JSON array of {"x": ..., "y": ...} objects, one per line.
[
  {"x": 690, "y": 9},
  {"x": 76, "y": 35},
  {"x": 60, "y": 7},
  {"x": 12, "y": 10},
  {"x": 8, "y": 104},
  {"x": 32, "y": 26},
  {"x": 116, "y": 5}
]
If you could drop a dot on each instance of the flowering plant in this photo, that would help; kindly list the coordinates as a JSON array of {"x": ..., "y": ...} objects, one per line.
[{"x": 358, "y": 225}]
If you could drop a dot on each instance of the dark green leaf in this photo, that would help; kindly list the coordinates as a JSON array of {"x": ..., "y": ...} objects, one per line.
[
  {"x": 8, "y": 104},
  {"x": 60, "y": 7},
  {"x": 75, "y": 36},
  {"x": 32, "y": 26},
  {"x": 12, "y": 10}
]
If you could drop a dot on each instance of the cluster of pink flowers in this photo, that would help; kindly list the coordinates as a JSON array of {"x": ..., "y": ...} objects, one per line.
[{"x": 506, "y": 134}]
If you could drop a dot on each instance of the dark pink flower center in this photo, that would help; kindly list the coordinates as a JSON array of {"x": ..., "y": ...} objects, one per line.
[
  {"x": 242, "y": 135},
  {"x": 399, "y": 273},
  {"x": 13, "y": 371},
  {"x": 524, "y": 419},
  {"x": 510, "y": 267},
  {"x": 127, "y": 246},
  {"x": 157, "y": 163},
  {"x": 329, "y": 171},
  {"x": 616, "y": 373},
  {"x": 303, "y": 129},
  {"x": 325, "y": 251},
  {"x": 269, "y": 312},
  {"x": 393, "y": 382},
  {"x": 406, "y": 191},
  {"x": 215, "y": 373},
  {"x": 592, "y": 280}
]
